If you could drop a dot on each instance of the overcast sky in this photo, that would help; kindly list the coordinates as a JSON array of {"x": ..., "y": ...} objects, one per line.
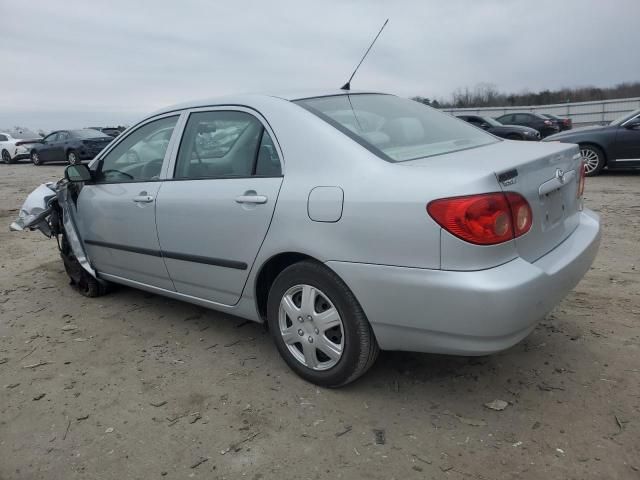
[{"x": 80, "y": 62}]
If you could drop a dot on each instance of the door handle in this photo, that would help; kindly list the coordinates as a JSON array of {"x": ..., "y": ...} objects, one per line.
[
  {"x": 143, "y": 199},
  {"x": 259, "y": 199}
]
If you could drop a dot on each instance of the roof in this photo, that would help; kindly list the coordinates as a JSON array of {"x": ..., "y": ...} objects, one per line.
[{"x": 252, "y": 97}]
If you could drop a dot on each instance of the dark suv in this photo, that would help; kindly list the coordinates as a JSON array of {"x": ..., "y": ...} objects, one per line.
[{"x": 536, "y": 121}]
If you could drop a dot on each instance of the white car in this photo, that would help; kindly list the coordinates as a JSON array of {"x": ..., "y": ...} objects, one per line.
[{"x": 13, "y": 149}]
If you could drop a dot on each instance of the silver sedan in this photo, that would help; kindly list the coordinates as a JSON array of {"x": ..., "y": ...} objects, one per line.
[{"x": 347, "y": 222}]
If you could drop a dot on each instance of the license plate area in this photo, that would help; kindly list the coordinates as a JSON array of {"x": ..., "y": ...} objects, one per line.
[{"x": 553, "y": 208}]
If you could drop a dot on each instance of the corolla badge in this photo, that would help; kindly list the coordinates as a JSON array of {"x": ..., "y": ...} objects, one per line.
[{"x": 560, "y": 175}]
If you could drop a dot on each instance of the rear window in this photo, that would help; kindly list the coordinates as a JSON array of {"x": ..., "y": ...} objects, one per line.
[
  {"x": 87, "y": 133},
  {"x": 394, "y": 128}
]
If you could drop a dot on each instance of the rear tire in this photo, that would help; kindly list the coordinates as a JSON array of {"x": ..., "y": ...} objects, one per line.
[
  {"x": 35, "y": 158},
  {"x": 343, "y": 332},
  {"x": 6, "y": 157},
  {"x": 594, "y": 159}
]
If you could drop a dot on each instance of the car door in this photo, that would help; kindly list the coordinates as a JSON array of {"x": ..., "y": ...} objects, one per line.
[
  {"x": 46, "y": 149},
  {"x": 214, "y": 213},
  {"x": 522, "y": 119},
  {"x": 116, "y": 214},
  {"x": 57, "y": 151},
  {"x": 627, "y": 143}
]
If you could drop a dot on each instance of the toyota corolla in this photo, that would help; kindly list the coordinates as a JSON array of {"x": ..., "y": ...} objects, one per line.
[{"x": 347, "y": 222}]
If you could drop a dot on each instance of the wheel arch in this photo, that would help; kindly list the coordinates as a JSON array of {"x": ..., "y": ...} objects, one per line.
[
  {"x": 598, "y": 145},
  {"x": 267, "y": 274}
]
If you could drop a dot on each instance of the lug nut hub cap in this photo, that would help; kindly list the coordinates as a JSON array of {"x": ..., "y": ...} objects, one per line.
[{"x": 316, "y": 339}]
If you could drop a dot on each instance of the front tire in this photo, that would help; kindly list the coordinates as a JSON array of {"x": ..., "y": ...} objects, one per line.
[
  {"x": 35, "y": 158},
  {"x": 73, "y": 158},
  {"x": 319, "y": 327},
  {"x": 79, "y": 278},
  {"x": 593, "y": 158},
  {"x": 6, "y": 157}
]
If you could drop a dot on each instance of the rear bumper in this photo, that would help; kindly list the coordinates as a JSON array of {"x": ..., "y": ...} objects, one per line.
[{"x": 469, "y": 313}]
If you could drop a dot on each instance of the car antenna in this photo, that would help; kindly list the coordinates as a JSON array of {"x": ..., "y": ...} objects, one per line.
[{"x": 347, "y": 86}]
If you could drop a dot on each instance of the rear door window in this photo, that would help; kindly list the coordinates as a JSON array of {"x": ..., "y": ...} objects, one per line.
[{"x": 225, "y": 144}]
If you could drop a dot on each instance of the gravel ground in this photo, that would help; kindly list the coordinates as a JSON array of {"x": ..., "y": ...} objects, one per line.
[{"x": 133, "y": 385}]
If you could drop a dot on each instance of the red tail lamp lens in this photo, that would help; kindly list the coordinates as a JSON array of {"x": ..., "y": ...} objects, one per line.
[
  {"x": 520, "y": 212},
  {"x": 485, "y": 219}
]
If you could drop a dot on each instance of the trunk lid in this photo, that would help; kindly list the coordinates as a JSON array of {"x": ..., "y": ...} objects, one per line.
[
  {"x": 98, "y": 141},
  {"x": 550, "y": 185},
  {"x": 545, "y": 173}
]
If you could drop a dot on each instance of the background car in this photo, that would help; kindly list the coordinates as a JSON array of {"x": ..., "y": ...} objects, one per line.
[
  {"x": 536, "y": 121},
  {"x": 511, "y": 132},
  {"x": 561, "y": 123},
  {"x": 616, "y": 145},
  {"x": 14, "y": 147},
  {"x": 71, "y": 146},
  {"x": 111, "y": 131}
]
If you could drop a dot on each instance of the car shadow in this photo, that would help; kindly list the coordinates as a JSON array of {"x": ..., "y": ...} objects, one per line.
[{"x": 455, "y": 379}]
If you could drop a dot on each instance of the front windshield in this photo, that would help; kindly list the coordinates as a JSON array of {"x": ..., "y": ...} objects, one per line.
[
  {"x": 491, "y": 121},
  {"x": 87, "y": 133},
  {"x": 394, "y": 128},
  {"x": 624, "y": 118}
]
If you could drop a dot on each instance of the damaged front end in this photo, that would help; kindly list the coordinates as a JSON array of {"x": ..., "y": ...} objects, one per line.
[{"x": 51, "y": 208}]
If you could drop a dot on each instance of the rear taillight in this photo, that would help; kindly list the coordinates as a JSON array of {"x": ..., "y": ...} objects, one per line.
[
  {"x": 581, "y": 179},
  {"x": 485, "y": 219}
]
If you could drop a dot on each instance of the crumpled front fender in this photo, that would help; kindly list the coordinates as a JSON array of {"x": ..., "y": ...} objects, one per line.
[{"x": 37, "y": 210}]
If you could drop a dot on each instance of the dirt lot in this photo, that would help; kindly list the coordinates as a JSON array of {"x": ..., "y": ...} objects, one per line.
[{"x": 133, "y": 385}]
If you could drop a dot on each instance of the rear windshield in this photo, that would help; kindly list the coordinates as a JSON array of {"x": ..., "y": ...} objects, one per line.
[
  {"x": 394, "y": 128},
  {"x": 87, "y": 133}
]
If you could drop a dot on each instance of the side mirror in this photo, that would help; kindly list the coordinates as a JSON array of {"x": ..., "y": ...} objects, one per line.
[
  {"x": 633, "y": 124},
  {"x": 77, "y": 173}
]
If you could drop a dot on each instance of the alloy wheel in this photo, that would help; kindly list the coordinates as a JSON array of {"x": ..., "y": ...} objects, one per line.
[
  {"x": 35, "y": 158},
  {"x": 72, "y": 158},
  {"x": 6, "y": 157},
  {"x": 591, "y": 160},
  {"x": 311, "y": 327}
]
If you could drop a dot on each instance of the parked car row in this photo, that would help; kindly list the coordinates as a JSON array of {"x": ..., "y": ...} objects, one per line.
[
  {"x": 521, "y": 125},
  {"x": 614, "y": 146},
  {"x": 71, "y": 146},
  {"x": 511, "y": 132}
]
